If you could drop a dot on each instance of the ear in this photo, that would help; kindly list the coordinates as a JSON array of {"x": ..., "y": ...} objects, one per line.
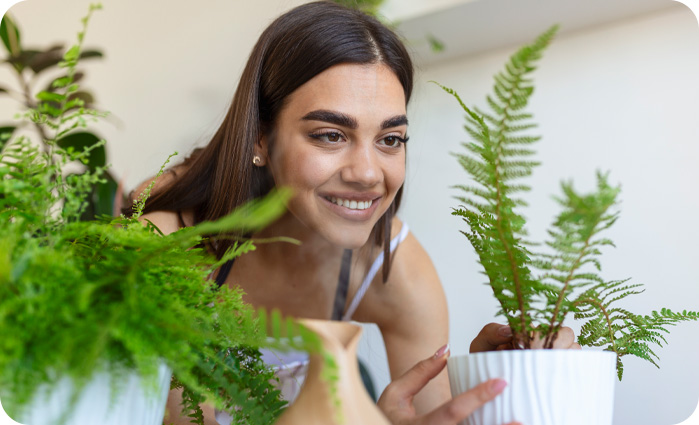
[{"x": 260, "y": 151}]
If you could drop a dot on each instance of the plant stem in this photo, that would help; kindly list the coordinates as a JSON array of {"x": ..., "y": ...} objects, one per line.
[
  {"x": 553, "y": 328},
  {"x": 30, "y": 104},
  {"x": 523, "y": 336}
]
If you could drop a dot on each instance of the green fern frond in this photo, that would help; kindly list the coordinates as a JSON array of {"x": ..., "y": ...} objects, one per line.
[{"x": 497, "y": 158}]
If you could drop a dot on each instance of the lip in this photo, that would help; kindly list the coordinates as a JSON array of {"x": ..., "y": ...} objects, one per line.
[{"x": 349, "y": 214}]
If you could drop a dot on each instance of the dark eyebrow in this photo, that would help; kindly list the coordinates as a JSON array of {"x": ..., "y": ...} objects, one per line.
[
  {"x": 332, "y": 117},
  {"x": 338, "y": 118},
  {"x": 394, "y": 122}
]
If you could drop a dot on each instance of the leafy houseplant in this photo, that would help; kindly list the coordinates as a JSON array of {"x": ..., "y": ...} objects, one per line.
[
  {"x": 115, "y": 298},
  {"x": 538, "y": 288},
  {"x": 35, "y": 70}
]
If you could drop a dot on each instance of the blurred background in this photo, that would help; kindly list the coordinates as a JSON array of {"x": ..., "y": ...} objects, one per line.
[{"x": 617, "y": 91}]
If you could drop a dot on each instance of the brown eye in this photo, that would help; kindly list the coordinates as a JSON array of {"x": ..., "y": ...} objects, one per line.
[
  {"x": 393, "y": 141},
  {"x": 329, "y": 137}
]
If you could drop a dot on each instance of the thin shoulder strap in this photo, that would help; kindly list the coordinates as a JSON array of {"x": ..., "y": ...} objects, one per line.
[
  {"x": 342, "y": 285},
  {"x": 223, "y": 272},
  {"x": 372, "y": 273}
]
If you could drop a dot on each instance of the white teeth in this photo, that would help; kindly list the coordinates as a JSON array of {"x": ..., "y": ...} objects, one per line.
[{"x": 353, "y": 205}]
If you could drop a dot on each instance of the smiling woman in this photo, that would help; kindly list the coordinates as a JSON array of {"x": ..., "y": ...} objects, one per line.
[
  {"x": 339, "y": 144},
  {"x": 321, "y": 108}
]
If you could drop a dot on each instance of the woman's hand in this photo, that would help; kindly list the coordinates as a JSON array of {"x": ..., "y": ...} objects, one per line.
[
  {"x": 396, "y": 402},
  {"x": 494, "y": 337}
]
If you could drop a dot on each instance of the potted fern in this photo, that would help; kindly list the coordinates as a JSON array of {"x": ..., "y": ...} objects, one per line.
[
  {"x": 537, "y": 286},
  {"x": 97, "y": 316}
]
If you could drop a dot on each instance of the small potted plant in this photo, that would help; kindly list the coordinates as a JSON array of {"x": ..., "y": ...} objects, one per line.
[
  {"x": 538, "y": 287},
  {"x": 97, "y": 316}
]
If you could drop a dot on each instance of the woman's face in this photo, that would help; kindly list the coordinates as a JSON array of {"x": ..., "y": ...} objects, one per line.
[{"x": 339, "y": 144}]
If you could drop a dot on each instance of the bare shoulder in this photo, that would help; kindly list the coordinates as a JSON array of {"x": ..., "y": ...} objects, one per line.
[
  {"x": 410, "y": 310},
  {"x": 166, "y": 221},
  {"x": 413, "y": 287}
]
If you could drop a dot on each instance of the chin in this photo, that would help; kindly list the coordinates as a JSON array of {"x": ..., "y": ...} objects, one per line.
[{"x": 350, "y": 239}]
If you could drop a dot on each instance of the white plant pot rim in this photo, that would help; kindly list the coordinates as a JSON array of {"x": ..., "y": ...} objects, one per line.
[{"x": 538, "y": 352}]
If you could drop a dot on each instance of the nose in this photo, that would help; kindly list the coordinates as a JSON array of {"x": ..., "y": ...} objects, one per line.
[{"x": 362, "y": 166}]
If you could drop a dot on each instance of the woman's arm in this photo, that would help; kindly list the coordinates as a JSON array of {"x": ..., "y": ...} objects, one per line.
[{"x": 411, "y": 312}]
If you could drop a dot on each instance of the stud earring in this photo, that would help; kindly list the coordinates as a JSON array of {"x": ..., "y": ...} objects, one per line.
[{"x": 256, "y": 160}]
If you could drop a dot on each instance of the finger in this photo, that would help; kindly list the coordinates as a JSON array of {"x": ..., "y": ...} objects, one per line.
[
  {"x": 463, "y": 405},
  {"x": 412, "y": 381},
  {"x": 565, "y": 339},
  {"x": 490, "y": 337}
]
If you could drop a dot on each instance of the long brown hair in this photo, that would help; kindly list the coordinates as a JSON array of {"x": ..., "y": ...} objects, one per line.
[{"x": 297, "y": 46}]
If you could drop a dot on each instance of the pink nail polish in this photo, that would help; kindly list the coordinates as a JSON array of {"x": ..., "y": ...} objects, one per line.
[
  {"x": 498, "y": 385},
  {"x": 442, "y": 351},
  {"x": 505, "y": 331}
]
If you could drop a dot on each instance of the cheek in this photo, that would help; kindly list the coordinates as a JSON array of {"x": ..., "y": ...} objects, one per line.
[
  {"x": 395, "y": 175},
  {"x": 301, "y": 170}
]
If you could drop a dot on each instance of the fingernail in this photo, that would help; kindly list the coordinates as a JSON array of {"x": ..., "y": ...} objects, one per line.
[
  {"x": 442, "y": 351},
  {"x": 505, "y": 331},
  {"x": 497, "y": 386}
]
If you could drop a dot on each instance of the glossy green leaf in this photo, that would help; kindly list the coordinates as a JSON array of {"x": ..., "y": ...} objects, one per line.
[
  {"x": 61, "y": 82},
  {"x": 72, "y": 53},
  {"x": 87, "y": 54},
  {"x": 81, "y": 140},
  {"x": 64, "y": 81},
  {"x": 49, "y": 109},
  {"x": 50, "y": 97},
  {"x": 10, "y": 35}
]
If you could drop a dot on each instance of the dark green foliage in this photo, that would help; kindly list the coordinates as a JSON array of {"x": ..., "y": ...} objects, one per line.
[
  {"x": 78, "y": 297},
  {"x": 537, "y": 290}
]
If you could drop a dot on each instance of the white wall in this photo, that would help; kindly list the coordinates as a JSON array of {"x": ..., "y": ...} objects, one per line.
[{"x": 622, "y": 98}]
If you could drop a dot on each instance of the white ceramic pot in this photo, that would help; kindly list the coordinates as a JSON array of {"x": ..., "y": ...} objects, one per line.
[
  {"x": 545, "y": 387},
  {"x": 132, "y": 404}
]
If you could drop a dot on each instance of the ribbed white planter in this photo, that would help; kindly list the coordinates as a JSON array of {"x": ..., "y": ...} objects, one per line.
[
  {"x": 131, "y": 406},
  {"x": 545, "y": 387}
]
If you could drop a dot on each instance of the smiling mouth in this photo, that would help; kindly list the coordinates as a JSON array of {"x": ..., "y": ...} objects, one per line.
[{"x": 351, "y": 204}]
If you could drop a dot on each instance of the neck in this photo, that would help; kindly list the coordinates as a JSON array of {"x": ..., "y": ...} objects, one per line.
[{"x": 313, "y": 248}]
